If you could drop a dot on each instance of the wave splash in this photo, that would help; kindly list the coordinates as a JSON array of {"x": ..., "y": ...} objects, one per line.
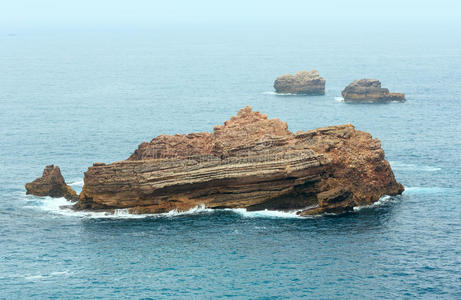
[
  {"x": 78, "y": 183},
  {"x": 265, "y": 213},
  {"x": 382, "y": 201},
  {"x": 61, "y": 206}
]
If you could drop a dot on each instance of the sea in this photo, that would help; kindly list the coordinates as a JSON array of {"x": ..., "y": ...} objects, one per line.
[{"x": 78, "y": 96}]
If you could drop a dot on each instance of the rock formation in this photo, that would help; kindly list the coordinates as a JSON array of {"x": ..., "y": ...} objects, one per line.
[
  {"x": 249, "y": 162},
  {"x": 51, "y": 184},
  {"x": 303, "y": 82},
  {"x": 369, "y": 90}
]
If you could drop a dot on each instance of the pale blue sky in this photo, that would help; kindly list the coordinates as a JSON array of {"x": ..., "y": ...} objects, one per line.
[{"x": 36, "y": 13}]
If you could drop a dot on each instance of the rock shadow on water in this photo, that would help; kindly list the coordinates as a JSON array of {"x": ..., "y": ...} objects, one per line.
[
  {"x": 363, "y": 219},
  {"x": 371, "y": 102}
]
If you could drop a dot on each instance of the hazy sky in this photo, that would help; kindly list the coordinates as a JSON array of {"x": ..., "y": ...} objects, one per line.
[{"x": 37, "y": 13}]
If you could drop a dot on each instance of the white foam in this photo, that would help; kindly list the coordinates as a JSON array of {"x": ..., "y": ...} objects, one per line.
[
  {"x": 33, "y": 277},
  {"x": 194, "y": 210},
  {"x": 397, "y": 165},
  {"x": 61, "y": 207},
  {"x": 57, "y": 273},
  {"x": 264, "y": 213},
  {"x": 77, "y": 183},
  {"x": 46, "y": 203},
  {"x": 44, "y": 276},
  {"x": 381, "y": 201},
  {"x": 339, "y": 99}
]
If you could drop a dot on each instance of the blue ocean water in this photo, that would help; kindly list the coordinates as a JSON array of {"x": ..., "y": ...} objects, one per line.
[{"x": 74, "y": 98}]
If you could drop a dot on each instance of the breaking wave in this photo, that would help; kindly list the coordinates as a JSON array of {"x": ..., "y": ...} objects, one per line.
[
  {"x": 339, "y": 99},
  {"x": 265, "y": 213},
  {"x": 382, "y": 201},
  {"x": 62, "y": 207},
  {"x": 401, "y": 166},
  {"x": 76, "y": 183}
]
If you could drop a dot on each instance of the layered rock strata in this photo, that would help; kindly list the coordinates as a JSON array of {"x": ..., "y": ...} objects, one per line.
[
  {"x": 301, "y": 83},
  {"x": 249, "y": 162},
  {"x": 369, "y": 90},
  {"x": 51, "y": 184}
]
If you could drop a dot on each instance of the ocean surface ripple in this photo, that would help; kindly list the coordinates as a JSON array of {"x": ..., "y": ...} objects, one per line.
[{"x": 75, "y": 99}]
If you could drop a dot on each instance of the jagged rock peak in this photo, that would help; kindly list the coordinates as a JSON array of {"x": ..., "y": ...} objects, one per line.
[
  {"x": 245, "y": 128},
  {"x": 51, "y": 184},
  {"x": 249, "y": 123}
]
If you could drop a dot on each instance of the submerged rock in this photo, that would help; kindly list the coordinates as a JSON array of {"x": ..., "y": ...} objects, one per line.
[
  {"x": 51, "y": 184},
  {"x": 303, "y": 83},
  {"x": 249, "y": 162},
  {"x": 369, "y": 90}
]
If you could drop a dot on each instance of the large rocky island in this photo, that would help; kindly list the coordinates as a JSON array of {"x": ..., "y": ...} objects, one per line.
[
  {"x": 369, "y": 90},
  {"x": 249, "y": 162},
  {"x": 301, "y": 83}
]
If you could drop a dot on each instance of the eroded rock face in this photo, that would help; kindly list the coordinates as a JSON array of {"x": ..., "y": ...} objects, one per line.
[
  {"x": 249, "y": 162},
  {"x": 369, "y": 90},
  {"x": 301, "y": 83},
  {"x": 51, "y": 184}
]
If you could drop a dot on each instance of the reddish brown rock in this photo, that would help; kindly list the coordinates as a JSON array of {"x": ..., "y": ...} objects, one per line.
[
  {"x": 51, "y": 184},
  {"x": 369, "y": 90},
  {"x": 249, "y": 162},
  {"x": 174, "y": 146}
]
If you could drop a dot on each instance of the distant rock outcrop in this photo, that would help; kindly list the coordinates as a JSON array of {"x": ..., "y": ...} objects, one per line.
[
  {"x": 301, "y": 83},
  {"x": 249, "y": 162},
  {"x": 51, "y": 184},
  {"x": 369, "y": 90}
]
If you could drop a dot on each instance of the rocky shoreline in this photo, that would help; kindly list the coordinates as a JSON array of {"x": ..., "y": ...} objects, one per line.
[{"x": 249, "y": 162}]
